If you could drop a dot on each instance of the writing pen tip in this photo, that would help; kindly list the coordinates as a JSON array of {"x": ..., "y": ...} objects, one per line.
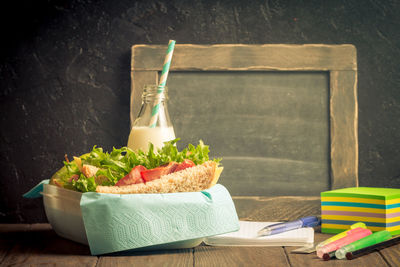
[{"x": 263, "y": 232}]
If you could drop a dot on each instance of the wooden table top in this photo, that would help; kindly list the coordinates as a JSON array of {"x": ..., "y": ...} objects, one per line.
[{"x": 38, "y": 244}]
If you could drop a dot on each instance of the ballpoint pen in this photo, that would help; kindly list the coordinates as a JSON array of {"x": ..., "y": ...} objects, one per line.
[{"x": 277, "y": 228}]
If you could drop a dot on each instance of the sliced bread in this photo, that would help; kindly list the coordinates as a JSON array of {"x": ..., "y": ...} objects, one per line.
[{"x": 192, "y": 179}]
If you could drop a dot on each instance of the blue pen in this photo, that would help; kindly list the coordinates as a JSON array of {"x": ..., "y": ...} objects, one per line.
[{"x": 273, "y": 229}]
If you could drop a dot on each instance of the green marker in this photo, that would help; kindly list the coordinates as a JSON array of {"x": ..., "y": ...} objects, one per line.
[{"x": 367, "y": 241}]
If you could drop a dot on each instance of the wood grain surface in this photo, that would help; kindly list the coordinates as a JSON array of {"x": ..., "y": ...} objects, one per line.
[
  {"x": 240, "y": 256},
  {"x": 391, "y": 255},
  {"x": 257, "y": 57},
  {"x": 183, "y": 257},
  {"x": 38, "y": 244},
  {"x": 344, "y": 129}
]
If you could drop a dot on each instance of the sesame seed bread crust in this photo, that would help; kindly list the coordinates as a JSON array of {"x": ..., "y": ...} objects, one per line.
[{"x": 192, "y": 179}]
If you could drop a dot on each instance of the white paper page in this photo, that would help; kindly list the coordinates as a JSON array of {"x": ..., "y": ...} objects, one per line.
[{"x": 247, "y": 236}]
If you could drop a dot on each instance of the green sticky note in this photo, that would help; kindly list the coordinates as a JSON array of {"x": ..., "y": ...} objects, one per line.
[
  {"x": 116, "y": 223},
  {"x": 364, "y": 192}
]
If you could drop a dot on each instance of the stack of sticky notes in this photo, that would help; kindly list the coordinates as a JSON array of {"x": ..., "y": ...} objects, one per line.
[{"x": 378, "y": 208}]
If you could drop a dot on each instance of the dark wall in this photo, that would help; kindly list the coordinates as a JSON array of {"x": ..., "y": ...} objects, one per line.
[{"x": 65, "y": 74}]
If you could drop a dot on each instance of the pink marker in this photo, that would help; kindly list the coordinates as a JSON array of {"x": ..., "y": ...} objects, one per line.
[
  {"x": 342, "y": 234},
  {"x": 350, "y": 238}
]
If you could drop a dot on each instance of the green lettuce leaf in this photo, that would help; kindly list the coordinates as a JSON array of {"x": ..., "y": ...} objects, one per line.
[{"x": 84, "y": 184}]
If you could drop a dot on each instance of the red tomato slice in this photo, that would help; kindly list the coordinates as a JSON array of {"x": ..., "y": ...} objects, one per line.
[
  {"x": 153, "y": 174},
  {"x": 133, "y": 177},
  {"x": 187, "y": 163}
]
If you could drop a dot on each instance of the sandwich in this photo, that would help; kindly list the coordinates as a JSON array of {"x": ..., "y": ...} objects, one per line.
[{"x": 124, "y": 171}]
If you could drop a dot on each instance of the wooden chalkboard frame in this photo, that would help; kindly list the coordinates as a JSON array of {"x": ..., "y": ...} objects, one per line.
[{"x": 339, "y": 60}]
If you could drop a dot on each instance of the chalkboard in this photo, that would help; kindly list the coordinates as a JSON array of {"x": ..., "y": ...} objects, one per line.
[
  {"x": 283, "y": 118},
  {"x": 270, "y": 128}
]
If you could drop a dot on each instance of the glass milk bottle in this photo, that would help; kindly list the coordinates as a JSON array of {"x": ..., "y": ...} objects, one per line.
[{"x": 141, "y": 133}]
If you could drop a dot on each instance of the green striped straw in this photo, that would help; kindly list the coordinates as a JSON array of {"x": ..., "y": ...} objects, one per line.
[{"x": 163, "y": 82}]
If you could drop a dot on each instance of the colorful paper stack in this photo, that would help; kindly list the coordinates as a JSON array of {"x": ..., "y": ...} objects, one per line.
[{"x": 378, "y": 208}]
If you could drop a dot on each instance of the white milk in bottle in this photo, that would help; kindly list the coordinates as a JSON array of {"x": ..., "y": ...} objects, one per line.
[
  {"x": 145, "y": 129},
  {"x": 140, "y": 137}
]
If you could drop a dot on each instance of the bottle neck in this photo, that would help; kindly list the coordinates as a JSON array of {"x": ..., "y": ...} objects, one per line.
[
  {"x": 151, "y": 97},
  {"x": 152, "y": 93},
  {"x": 148, "y": 99}
]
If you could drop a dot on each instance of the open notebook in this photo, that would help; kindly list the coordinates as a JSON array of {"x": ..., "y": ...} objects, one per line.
[{"x": 247, "y": 236}]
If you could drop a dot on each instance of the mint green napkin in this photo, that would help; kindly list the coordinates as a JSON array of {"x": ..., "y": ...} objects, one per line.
[
  {"x": 115, "y": 223},
  {"x": 35, "y": 191},
  {"x": 123, "y": 222}
]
